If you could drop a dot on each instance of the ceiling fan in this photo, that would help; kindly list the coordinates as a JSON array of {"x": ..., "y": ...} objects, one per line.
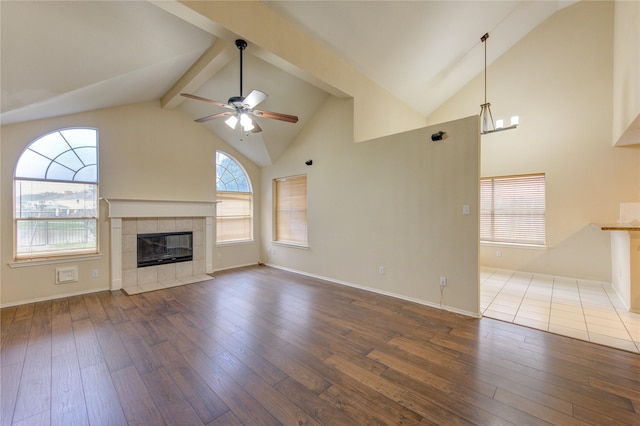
[{"x": 242, "y": 108}]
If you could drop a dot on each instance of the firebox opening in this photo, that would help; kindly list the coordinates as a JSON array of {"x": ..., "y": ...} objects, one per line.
[{"x": 163, "y": 248}]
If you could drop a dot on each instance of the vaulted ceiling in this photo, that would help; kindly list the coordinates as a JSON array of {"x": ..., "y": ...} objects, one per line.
[{"x": 66, "y": 57}]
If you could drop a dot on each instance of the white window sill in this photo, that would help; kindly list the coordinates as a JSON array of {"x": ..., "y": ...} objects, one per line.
[
  {"x": 292, "y": 245},
  {"x": 235, "y": 243},
  {"x": 53, "y": 260},
  {"x": 513, "y": 245}
]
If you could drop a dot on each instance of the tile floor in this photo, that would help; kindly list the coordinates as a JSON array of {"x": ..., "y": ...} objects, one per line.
[{"x": 587, "y": 310}]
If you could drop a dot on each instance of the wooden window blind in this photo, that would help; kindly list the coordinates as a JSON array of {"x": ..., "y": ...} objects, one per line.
[
  {"x": 233, "y": 216},
  {"x": 290, "y": 201},
  {"x": 512, "y": 210}
]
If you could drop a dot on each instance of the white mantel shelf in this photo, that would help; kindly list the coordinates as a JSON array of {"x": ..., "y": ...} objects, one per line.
[
  {"x": 120, "y": 209},
  {"x": 125, "y": 208}
]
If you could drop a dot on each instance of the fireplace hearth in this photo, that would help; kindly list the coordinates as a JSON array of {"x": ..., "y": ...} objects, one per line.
[{"x": 163, "y": 248}]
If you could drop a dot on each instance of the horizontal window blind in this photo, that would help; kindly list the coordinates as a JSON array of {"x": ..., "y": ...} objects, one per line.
[
  {"x": 291, "y": 210},
  {"x": 512, "y": 210},
  {"x": 233, "y": 216}
]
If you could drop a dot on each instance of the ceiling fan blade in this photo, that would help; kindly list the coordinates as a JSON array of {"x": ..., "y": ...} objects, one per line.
[
  {"x": 254, "y": 98},
  {"x": 214, "y": 116},
  {"x": 275, "y": 115},
  {"x": 198, "y": 98}
]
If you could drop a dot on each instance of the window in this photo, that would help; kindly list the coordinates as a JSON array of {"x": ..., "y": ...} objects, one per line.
[
  {"x": 512, "y": 210},
  {"x": 56, "y": 195},
  {"x": 290, "y": 201},
  {"x": 234, "y": 212}
]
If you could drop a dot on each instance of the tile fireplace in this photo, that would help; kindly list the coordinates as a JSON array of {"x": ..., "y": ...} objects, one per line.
[{"x": 132, "y": 218}]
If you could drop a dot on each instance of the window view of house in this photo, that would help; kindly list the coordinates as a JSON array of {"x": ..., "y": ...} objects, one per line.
[
  {"x": 234, "y": 210},
  {"x": 56, "y": 195}
]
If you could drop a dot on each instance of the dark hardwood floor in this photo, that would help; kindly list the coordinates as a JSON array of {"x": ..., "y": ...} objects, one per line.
[{"x": 262, "y": 346}]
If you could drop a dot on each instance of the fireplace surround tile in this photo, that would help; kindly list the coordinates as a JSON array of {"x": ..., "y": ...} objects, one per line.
[
  {"x": 129, "y": 243},
  {"x": 129, "y": 227},
  {"x": 147, "y": 226},
  {"x": 147, "y": 275},
  {"x": 149, "y": 278},
  {"x": 166, "y": 224},
  {"x": 129, "y": 260},
  {"x": 184, "y": 269},
  {"x": 130, "y": 217},
  {"x": 184, "y": 224},
  {"x": 166, "y": 272}
]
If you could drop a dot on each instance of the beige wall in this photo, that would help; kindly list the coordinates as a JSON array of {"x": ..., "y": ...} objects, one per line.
[
  {"x": 626, "y": 73},
  {"x": 558, "y": 79},
  {"x": 145, "y": 153},
  {"x": 394, "y": 202}
]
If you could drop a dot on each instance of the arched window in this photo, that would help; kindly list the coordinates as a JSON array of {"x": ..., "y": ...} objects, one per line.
[
  {"x": 56, "y": 195},
  {"x": 234, "y": 211}
]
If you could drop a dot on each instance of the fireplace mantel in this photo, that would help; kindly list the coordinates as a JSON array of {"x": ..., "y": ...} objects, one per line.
[
  {"x": 125, "y": 208},
  {"x": 119, "y": 209}
]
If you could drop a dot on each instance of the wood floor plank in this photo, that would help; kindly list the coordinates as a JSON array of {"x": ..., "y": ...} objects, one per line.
[
  {"x": 262, "y": 346},
  {"x": 87, "y": 345},
  {"x": 283, "y": 409},
  {"x": 101, "y": 399},
  {"x": 206, "y": 403},
  {"x": 94, "y": 307},
  {"x": 34, "y": 395},
  {"x": 113, "y": 350},
  {"x": 136, "y": 401},
  {"x": 14, "y": 342},
  {"x": 144, "y": 357},
  {"x": 357, "y": 405},
  {"x": 441, "y": 378},
  {"x": 42, "y": 418},
  {"x": 9, "y": 384},
  {"x": 113, "y": 310},
  {"x": 60, "y": 307},
  {"x": 77, "y": 308},
  {"x": 67, "y": 398},
  {"x": 62, "y": 339},
  {"x": 538, "y": 410},
  {"x": 320, "y": 409},
  {"x": 399, "y": 394},
  {"x": 227, "y": 419},
  {"x": 24, "y": 312},
  {"x": 244, "y": 406},
  {"x": 7, "y": 315}
]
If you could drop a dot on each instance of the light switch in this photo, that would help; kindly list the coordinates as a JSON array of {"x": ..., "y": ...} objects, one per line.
[{"x": 465, "y": 209}]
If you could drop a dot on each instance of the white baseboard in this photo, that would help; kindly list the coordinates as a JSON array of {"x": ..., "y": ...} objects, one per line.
[
  {"x": 385, "y": 293},
  {"x": 226, "y": 268},
  {"x": 57, "y": 296}
]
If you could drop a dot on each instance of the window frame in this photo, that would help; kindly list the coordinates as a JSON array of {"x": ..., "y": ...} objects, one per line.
[
  {"x": 47, "y": 255},
  {"x": 220, "y": 203},
  {"x": 302, "y": 243},
  {"x": 532, "y": 216}
]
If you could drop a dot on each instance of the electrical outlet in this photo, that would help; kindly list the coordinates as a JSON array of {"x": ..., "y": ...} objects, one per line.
[
  {"x": 380, "y": 270},
  {"x": 443, "y": 281},
  {"x": 498, "y": 253},
  {"x": 95, "y": 273}
]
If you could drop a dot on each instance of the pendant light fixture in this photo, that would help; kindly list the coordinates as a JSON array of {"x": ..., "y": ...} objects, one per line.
[{"x": 486, "y": 118}]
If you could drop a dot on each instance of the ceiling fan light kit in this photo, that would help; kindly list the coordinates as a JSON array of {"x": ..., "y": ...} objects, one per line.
[
  {"x": 486, "y": 118},
  {"x": 242, "y": 107}
]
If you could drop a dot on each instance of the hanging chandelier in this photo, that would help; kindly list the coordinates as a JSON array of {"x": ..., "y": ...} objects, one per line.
[{"x": 486, "y": 118}]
